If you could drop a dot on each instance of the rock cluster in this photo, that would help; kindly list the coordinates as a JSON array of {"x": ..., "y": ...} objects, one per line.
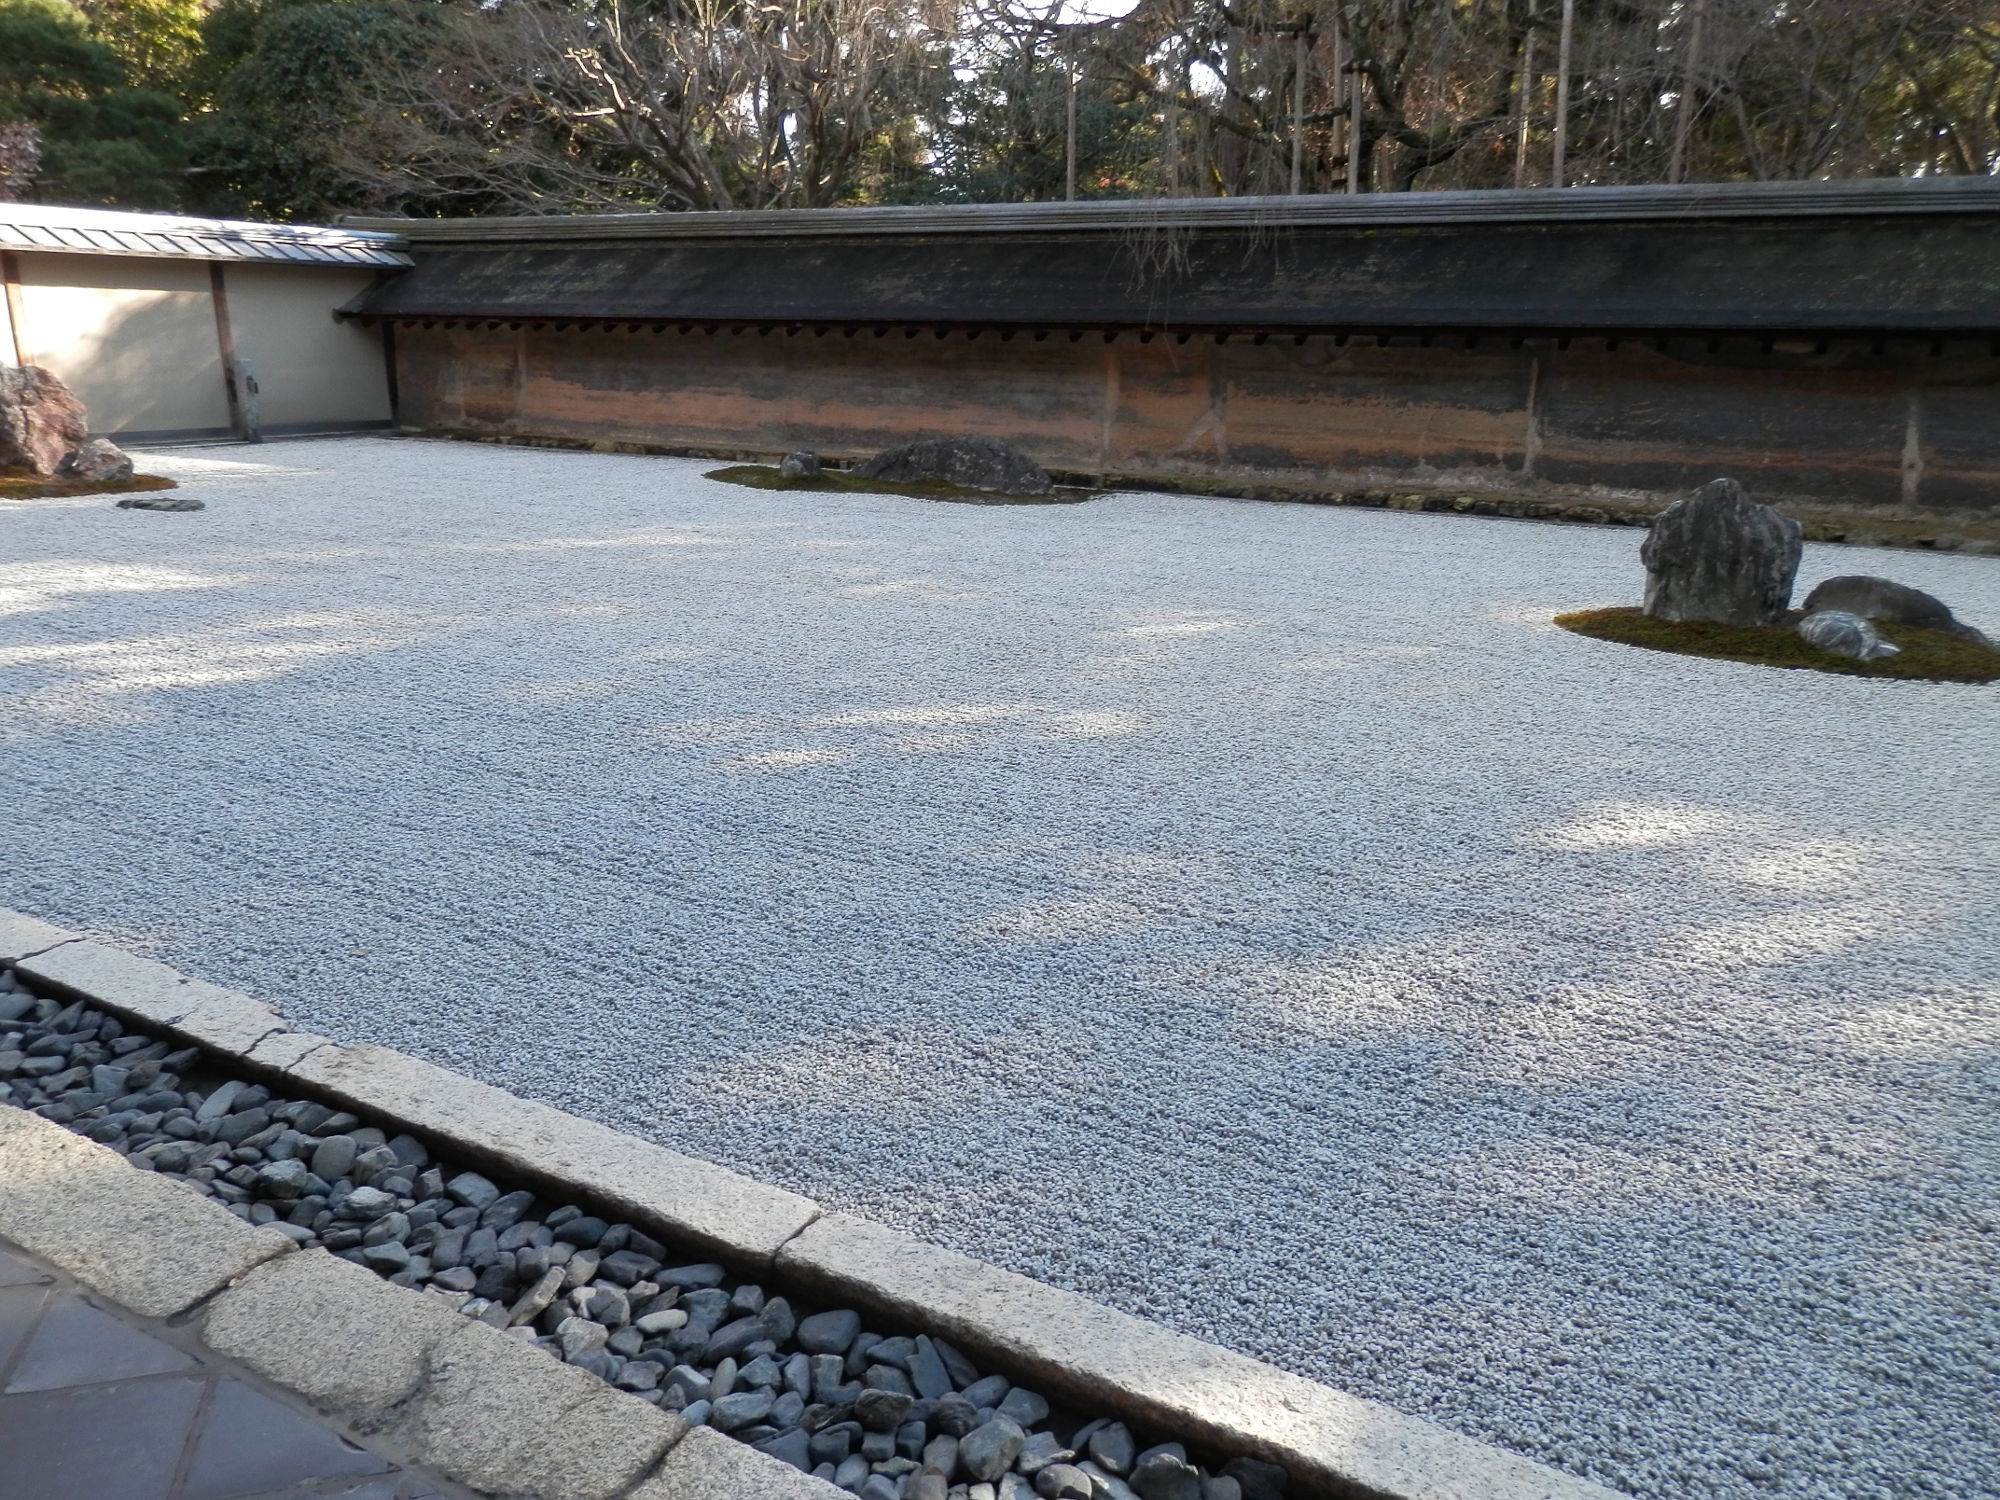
[
  {"x": 973, "y": 463},
  {"x": 1884, "y": 599},
  {"x": 41, "y": 422},
  {"x": 884, "y": 1417},
  {"x": 1718, "y": 555},
  {"x": 43, "y": 430}
]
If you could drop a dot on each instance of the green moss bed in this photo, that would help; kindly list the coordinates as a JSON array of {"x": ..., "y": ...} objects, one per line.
[
  {"x": 1926, "y": 655},
  {"x": 19, "y": 484},
  {"x": 763, "y": 477}
]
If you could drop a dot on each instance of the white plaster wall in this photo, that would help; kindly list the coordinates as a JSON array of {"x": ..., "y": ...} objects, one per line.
[
  {"x": 309, "y": 368},
  {"x": 133, "y": 337}
]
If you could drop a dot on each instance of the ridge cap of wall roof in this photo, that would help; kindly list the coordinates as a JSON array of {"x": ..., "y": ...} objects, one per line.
[{"x": 1860, "y": 197}]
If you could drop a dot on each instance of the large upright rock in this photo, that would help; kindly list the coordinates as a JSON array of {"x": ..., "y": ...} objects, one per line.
[
  {"x": 974, "y": 463},
  {"x": 1718, "y": 555},
  {"x": 41, "y": 423}
]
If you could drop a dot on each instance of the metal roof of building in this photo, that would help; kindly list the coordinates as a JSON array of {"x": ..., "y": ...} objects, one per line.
[{"x": 100, "y": 231}]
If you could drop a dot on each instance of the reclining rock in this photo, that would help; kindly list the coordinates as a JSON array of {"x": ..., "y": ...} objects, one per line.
[
  {"x": 973, "y": 463},
  {"x": 800, "y": 465},
  {"x": 1898, "y": 603},
  {"x": 41, "y": 422},
  {"x": 1718, "y": 555},
  {"x": 1843, "y": 634},
  {"x": 99, "y": 461}
]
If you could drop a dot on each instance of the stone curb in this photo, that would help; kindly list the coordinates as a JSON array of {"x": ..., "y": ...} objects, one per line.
[
  {"x": 454, "y": 1396},
  {"x": 1334, "y": 1444},
  {"x": 141, "y": 1240}
]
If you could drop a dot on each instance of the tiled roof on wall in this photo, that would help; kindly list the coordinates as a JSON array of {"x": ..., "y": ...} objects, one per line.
[{"x": 98, "y": 231}]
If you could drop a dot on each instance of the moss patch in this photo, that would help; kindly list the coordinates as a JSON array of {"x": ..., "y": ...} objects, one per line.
[
  {"x": 1926, "y": 655},
  {"x": 763, "y": 477},
  {"x": 19, "y": 484}
]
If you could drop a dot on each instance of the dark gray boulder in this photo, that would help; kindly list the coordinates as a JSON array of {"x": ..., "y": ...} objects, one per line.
[
  {"x": 1882, "y": 599},
  {"x": 1843, "y": 634},
  {"x": 800, "y": 465},
  {"x": 973, "y": 463},
  {"x": 99, "y": 461},
  {"x": 160, "y": 500},
  {"x": 1718, "y": 555}
]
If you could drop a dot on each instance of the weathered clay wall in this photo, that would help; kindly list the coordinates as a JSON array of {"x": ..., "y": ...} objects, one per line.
[{"x": 1850, "y": 425}]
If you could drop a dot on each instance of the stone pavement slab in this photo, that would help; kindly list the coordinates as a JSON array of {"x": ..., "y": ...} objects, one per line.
[{"x": 98, "y": 1403}]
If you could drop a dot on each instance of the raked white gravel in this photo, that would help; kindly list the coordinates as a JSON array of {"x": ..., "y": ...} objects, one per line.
[{"x": 1256, "y": 916}]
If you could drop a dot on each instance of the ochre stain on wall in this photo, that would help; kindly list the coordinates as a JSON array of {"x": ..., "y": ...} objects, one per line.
[{"x": 1854, "y": 426}]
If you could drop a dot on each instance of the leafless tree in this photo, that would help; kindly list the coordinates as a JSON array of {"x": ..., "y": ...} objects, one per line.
[{"x": 533, "y": 106}]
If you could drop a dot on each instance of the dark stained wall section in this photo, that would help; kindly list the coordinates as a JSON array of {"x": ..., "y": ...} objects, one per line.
[{"x": 1851, "y": 424}]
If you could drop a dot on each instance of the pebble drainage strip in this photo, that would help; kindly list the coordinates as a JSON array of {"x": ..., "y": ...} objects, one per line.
[{"x": 885, "y": 1418}]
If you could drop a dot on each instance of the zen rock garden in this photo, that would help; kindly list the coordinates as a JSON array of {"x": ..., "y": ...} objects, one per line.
[
  {"x": 886, "y": 1417},
  {"x": 1718, "y": 558}
]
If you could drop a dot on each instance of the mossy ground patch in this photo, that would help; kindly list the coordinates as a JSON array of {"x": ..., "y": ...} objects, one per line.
[
  {"x": 19, "y": 484},
  {"x": 763, "y": 477},
  {"x": 1925, "y": 655}
]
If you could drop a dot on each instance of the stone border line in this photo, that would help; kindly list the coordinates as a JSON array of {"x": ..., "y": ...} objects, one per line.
[
  {"x": 455, "y": 1396},
  {"x": 493, "y": 1413}
]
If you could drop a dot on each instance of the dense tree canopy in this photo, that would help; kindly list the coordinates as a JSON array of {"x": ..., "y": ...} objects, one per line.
[{"x": 307, "y": 108}]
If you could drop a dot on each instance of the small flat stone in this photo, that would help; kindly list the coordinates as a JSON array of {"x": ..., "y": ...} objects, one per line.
[
  {"x": 1041, "y": 1450},
  {"x": 792, "y": 1447},
  {"x": 955, "y": 1415},
  {"x": 988, "y": 1451},
  {"x": 283, "y": 1180},
  {"x": 927, "y": 1371},
  {"x": 472, "y": 1190},
  {"x": 828, "y": 1332},
  {"x": 740, "y": 1409},
  {"x": 1165, "y": 1477},
  {"x": 1063, "y": 1482},
  {"x": 1111, "y": 1446},
  {"x": 883, "y": 1411},
  {"x": 537, "y": 1299},
  {"x": 503, "y": 1212},
  {"x": 1026, "y": 1408},
  {"x": 851, "y": 1473},
  {"x": 627, "y": 1266},
  {"x": 987, "y": 1392}
]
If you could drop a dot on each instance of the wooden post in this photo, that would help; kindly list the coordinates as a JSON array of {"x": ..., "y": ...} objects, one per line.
[
  {"x": 242, "y": 407},
  {"x": 10, "y": 274},
  {"x": 1684, "y": 116},
  {"x": 1559, "y": 173},
  {"x": 1355, "y": 140},
  {"x": 1341, "y": 144},
  {"x": 1525, "y": 101},
  {"x": 1069, "y": 193},
  {"x": 1298, "y": 110}
]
